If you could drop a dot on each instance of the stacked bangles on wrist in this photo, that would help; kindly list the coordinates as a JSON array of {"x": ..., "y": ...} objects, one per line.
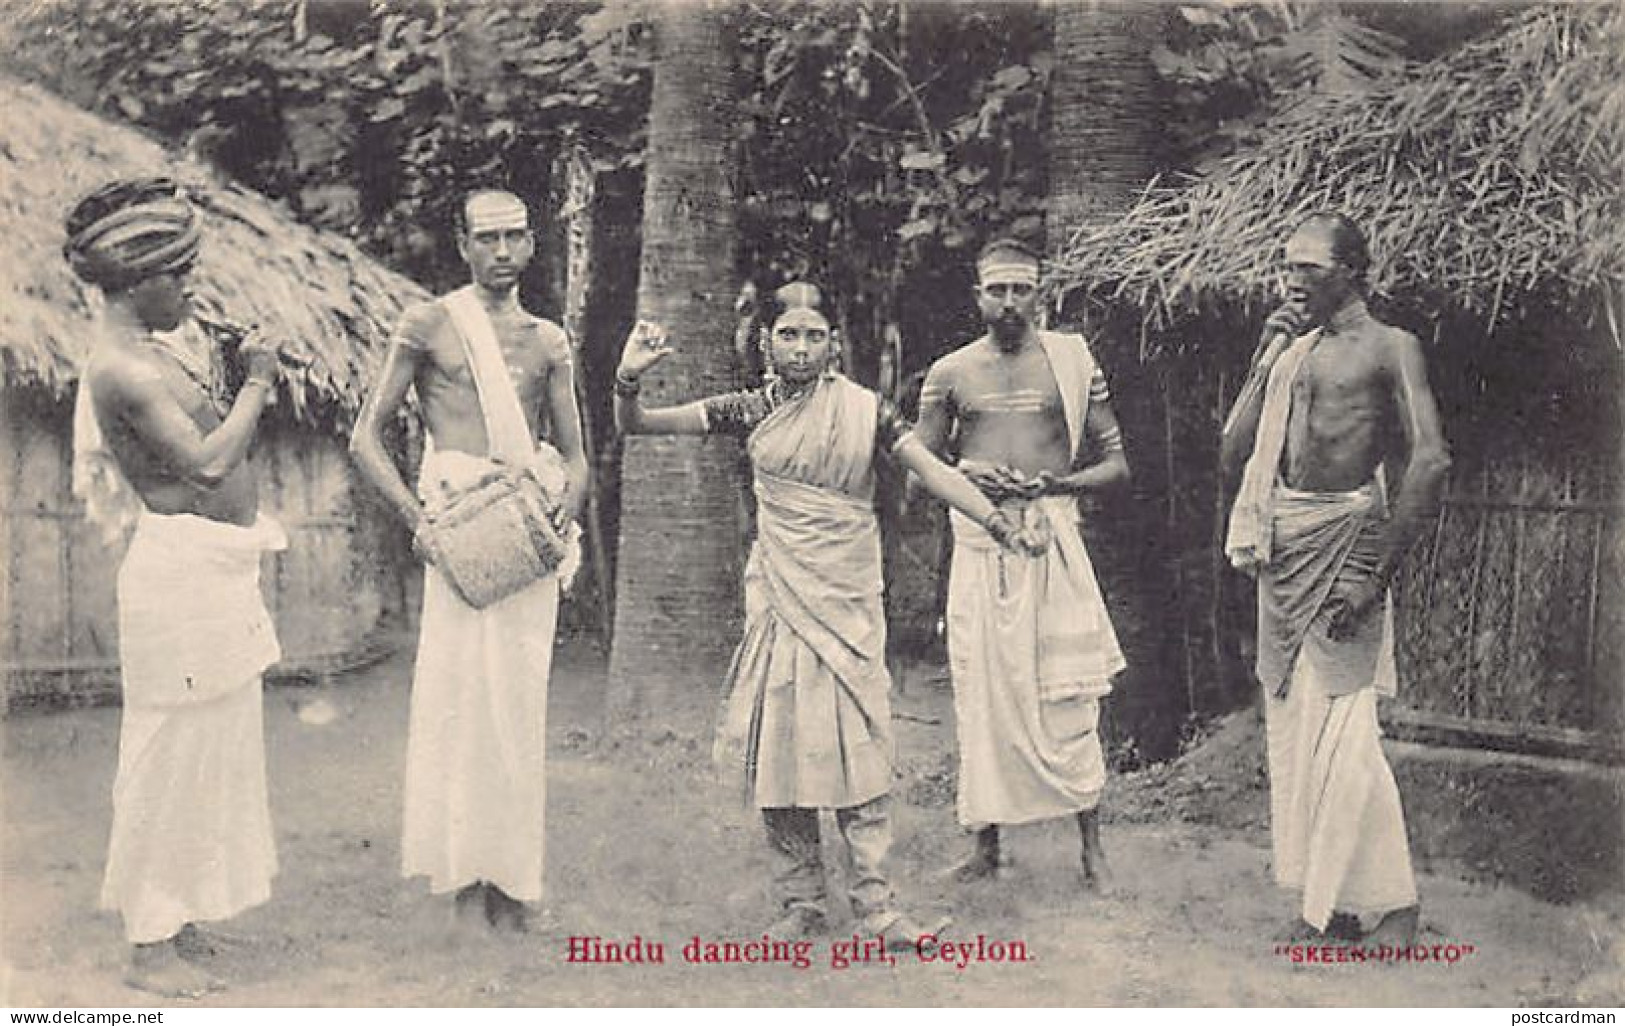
[{"x": 627, "y": 387}]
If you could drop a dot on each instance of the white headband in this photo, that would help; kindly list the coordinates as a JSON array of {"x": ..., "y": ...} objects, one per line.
[
  {"x": 1008, "y": 272},
  {"x": 496, "y": 211}
]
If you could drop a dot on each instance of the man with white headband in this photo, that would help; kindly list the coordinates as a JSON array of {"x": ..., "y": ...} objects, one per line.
[
  {"x": 1031, "y": 646},
  {"x": 475, "y": 762},
  {"x": 191, "y": 838}
]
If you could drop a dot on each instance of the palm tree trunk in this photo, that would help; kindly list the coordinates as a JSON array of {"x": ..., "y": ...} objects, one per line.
[
  {"x": 1103, "y": 113},
  {"x": 677, "y": 579}
]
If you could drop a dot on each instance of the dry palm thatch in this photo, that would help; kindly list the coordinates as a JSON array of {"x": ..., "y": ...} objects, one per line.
[
  {"x": 332, "y": 303},
  {"x": 1487, "y": 179}
]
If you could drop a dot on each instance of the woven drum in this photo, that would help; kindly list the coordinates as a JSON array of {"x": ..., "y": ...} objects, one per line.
[{"x": 497, "y": 537}]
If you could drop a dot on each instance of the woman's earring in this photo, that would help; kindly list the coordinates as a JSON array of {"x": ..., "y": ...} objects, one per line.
[{"x": 769, "y": 372}]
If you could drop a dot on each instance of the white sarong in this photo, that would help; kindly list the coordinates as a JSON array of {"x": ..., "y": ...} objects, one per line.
[
  {"x": 1335, "y": 816},
  {"x": 1032, "y": 650},
  {"x": 476, "y": 783},
  {"x": 476, "y": 755},
  {"x": 191, "y": 837}
]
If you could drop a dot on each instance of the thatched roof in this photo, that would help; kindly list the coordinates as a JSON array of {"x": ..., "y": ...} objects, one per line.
[
  {"x": 329, "y": 300},
  {"x": 1488, "y": 179}
]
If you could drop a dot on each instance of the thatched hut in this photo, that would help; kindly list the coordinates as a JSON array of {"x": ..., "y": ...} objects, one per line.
[
  {"x": 1490, "y": 184},
  {"x": 258, "y": 266}
]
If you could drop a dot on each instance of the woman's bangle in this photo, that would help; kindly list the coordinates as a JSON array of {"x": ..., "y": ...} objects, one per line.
[{"x": 627, "y": 388}]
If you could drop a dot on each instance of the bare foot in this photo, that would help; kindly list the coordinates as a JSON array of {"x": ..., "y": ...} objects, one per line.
[
  {"x": 194, "y": 943},
  {"x": 160, "y": 969},
  {"x": 1397, "y": 929},
  {"x": 977, "y": 867},
  {"x": 469, "y": 904},
  {"x": 505, "y": 914},
  {"x": 1097, "y": 875},
  {"x": 983, "y": 864},
  {"x": 798, "y": 923}
]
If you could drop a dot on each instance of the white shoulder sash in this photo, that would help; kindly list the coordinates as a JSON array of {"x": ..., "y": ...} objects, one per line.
[
  {"x": 1074, "y": 367},
  {"x": 508, "y": 435}
]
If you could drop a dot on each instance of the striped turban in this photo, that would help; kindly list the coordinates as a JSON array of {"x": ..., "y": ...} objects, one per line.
[{"x": 128, "y": 231}]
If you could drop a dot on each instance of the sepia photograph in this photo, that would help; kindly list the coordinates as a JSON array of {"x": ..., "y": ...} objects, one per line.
[{"x": 1108, "y": 504}]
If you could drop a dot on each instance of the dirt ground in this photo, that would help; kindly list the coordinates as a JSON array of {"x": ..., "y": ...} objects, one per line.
[{"x": 642, "y": 842}]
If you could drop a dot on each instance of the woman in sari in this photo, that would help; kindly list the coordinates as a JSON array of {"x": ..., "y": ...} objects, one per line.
[{"x": 807, "y": 717}]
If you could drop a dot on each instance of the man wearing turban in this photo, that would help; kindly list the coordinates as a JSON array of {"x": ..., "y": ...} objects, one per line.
[{"x": 191, "y": 837}]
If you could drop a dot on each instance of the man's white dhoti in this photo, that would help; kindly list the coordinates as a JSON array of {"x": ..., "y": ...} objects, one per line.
[
  {"x": 476, "y": 782},
  {"x": 1032, "y": 651},
  {"x": 191, "y": 838},
  {"x": 1335, "y": 816}
]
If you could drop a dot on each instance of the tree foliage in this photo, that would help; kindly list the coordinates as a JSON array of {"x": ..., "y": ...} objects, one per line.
[
  {"x": 368, "y": 118},
  {"x": 881, "y": 140},
  {"x": 875, "y": 162}
]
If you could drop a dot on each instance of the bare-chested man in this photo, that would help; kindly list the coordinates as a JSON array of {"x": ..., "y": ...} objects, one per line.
[
  {"x": 191, "y": 839},
  {"x": 1343, "y": 464},
  {"x": 1030, "y": 643},
  {"x": 475, "y": 784}
]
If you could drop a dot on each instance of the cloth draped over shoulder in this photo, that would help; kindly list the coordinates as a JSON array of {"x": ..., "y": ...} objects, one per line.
[
  {"x": 1032, "y": 648},
  {"x": 1249, "y": 539},
  {"x": 1303, "y": 546},
  {"x": 509, "y": 439},
  {"x": 1074, "y": 368},
  {"x": 807, "y": 718},
  {"x": 111, "y": 502},
  {"x": 476, "y": 786}
]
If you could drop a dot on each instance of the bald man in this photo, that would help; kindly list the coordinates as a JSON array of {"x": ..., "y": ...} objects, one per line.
[
  {"x": 1335, "y": 438},
  {"x": 475, "y": 782}
]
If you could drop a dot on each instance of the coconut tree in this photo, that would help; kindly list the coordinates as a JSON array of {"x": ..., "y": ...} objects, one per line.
[
  {"x": 1102, "y": 114},
  {"x": 1103, "y": 111},
  {"x": 677, "y": 582}
]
